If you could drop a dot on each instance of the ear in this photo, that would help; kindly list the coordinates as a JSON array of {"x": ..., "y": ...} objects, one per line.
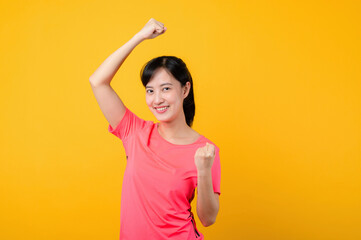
[{"x": 186, "y": 89}]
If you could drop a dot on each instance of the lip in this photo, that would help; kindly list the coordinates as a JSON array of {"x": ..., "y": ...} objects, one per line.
[{"x": 156, "y": 108}]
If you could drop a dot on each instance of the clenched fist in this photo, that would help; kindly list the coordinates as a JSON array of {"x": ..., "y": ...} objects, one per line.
[
  {"x": 152, "y": 29},
  {"x": 204, "y": 157}
]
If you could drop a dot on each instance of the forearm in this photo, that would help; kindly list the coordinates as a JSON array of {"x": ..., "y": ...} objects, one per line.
[
  {"x": 107, "y": 70},
  {"x": 207, "y": 206}
]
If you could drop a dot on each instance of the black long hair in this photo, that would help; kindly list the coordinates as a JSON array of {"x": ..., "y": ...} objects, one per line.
[{"x": 179, "y": 70}]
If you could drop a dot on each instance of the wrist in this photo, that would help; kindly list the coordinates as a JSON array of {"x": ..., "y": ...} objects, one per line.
[
  {"x": 204, "y": 172},
  {"x": 138, "y": 37}
]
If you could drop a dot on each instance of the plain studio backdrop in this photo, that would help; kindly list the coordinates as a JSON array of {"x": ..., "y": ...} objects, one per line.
[{"x": 277, "y": 87}]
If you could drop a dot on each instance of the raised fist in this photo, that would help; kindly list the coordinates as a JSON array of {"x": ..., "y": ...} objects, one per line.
[
  {"x": 204, "y": 157},
  {"x": 152, "y": 29}
]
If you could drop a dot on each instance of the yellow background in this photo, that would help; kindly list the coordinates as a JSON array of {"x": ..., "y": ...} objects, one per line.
[{"x": 277, "y": 88}]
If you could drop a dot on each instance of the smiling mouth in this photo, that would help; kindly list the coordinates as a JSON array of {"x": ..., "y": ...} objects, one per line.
[{"x": 161, "y": 109}]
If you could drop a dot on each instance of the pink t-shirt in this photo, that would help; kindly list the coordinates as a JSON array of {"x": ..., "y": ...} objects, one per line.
[{"x": 159, "y": 182}]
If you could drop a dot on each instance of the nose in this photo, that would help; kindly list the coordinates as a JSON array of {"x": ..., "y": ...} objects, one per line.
[{"x": 158, "y": 98}]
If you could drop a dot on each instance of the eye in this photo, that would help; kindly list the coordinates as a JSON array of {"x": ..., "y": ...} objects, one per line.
[
  {"x": 149, "y": 90},
  {"x": 166, "y": 88}
]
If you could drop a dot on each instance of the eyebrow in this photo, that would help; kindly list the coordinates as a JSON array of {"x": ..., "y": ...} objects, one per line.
[{"x": 160, "y": 85}]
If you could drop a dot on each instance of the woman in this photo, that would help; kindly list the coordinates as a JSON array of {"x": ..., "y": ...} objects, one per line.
[{"x": 166, "y": 161}]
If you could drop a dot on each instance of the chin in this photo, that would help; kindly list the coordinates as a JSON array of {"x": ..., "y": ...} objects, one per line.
[{"x": 162, "y": 118}]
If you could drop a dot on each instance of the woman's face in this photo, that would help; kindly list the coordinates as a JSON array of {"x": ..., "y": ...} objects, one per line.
[{"x": 165, "y": 95}]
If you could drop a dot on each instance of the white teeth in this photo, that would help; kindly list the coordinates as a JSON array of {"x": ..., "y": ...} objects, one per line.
[{"x": 161, "y": 109}]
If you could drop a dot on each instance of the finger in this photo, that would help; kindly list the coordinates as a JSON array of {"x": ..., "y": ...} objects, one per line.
[
  {"x": 210, "y": 148},
  {"x": 205, "y": 150},
  {"x": 161, "y": 27},
  {"x": 159, "y": 30},
  {"x": 213, "y": 149},
  {"x": 199, "y": 151}
]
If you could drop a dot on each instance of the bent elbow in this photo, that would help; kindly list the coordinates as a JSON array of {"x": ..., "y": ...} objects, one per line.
[{"x": 208, "y": 222}]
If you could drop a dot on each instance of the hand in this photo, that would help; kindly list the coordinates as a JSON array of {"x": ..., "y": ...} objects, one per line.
[
  {"x": 152, "y": 29},
  {"x": 204, "y": 157}
]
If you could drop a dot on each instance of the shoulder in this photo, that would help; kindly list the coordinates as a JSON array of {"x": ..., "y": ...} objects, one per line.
[{"x": 207, "y": 140}]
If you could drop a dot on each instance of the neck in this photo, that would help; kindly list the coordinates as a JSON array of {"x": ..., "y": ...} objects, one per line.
[{"x": 175, "y": 129}]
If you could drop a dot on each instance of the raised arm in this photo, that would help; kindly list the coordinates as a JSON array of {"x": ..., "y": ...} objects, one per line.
[
  {"x": 207, "y": 200},
  {"x": 109, "y": 102}
]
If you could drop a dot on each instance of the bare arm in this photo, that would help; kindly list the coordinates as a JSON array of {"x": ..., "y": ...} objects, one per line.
[
  {"x": 207, "y": 200},
  {"x": 109, "y": 102},
  {"x": 105, "y": 73}
]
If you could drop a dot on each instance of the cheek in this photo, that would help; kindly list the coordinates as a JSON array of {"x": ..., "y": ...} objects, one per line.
[
  {"x": 178, "y": 99},
  {"x": 174, "y": 97},
  {"x": 148, "y": 100}
]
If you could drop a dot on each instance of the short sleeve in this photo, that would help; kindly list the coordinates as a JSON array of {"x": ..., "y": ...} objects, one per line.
[
  {"x": 129, "y": 124},
  {"x": 216, "y": 173}
]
